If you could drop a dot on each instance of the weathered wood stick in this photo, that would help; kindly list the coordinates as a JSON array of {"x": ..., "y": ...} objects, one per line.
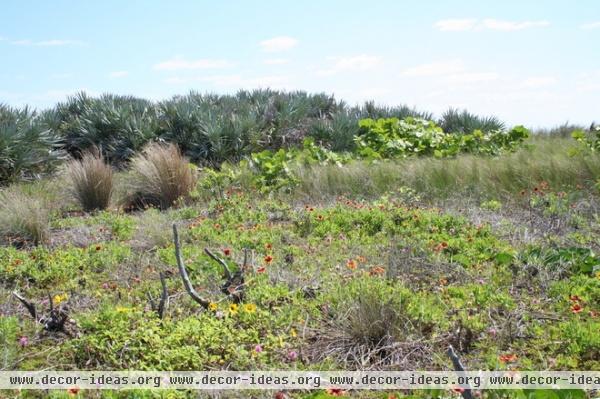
[{"x": 184, "y": 276}]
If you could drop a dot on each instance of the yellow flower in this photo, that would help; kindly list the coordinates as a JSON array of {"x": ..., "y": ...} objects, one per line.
[
  {"x": 233, "y": 308},
  {"x": 59, "y": 298},
  {"x": 122, "y": 309},
  {"x": 293, "y": 333},
  {"x": 250, "y": 308},
  {"x": 212, "y": 306}
]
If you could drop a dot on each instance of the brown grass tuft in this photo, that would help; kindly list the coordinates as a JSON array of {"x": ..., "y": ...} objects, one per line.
[
  {"x": 91, "y": 182},
  {"x": 161, "y": 176},
  {"x": 23, "y": 218}
]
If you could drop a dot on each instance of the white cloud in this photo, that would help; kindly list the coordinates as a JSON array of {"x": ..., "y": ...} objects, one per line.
[
  {"x": 435, "y": 68},
  {"x": 47, "y": 43},
  {"x": 469, "y": 24},
  {"x": 495, "y": 24},
  {"x": 279, "y": 43},
  {"x": 276, "y": 61},
  {"x": 456, "y": 24},
  {"x": 178, "y": 63},
  {"x": 539, "y": 81},
  {"x": 361, "y": 62},
  {"x": 591, "y": 25},
  {"x": 118, "y": 74}
]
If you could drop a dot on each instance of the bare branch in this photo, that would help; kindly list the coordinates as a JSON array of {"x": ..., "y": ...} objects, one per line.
[
  {"x": 184, "y": 276},
  {"x": 466, "y": 394},
  {"x": 164, "y": 298},
  {"x": 220, "y": 261},
  {"x": 245, "y": 264},
  {"x": 29, "y": 305}
]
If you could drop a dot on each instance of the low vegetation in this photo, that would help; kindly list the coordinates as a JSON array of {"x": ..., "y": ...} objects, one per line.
[{"x": 375, "y": 250}]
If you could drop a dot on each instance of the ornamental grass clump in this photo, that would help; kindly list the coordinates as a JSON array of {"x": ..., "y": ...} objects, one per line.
[
  {"x": 91, "y": 182},
  {"x": 161, "y": 176}
]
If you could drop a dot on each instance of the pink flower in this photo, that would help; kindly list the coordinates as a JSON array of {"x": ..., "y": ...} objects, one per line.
[
  {"x": 492, "y": 331},
  {"x": 292, "y": 355},
  {"x": 23, "y": 341},
  {"x": 105, "y": 286},
  {"x": 258, "y": 348}
]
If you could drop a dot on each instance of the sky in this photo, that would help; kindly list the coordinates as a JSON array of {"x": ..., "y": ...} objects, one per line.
[{"x": 527, "y": 62}]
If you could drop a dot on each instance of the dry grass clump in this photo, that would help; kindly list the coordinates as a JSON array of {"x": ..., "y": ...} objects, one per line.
[
  {"x": 161, "y": 176},
  {"x": 23, "y": 218},
  {"x": 368, "y": 328},
  {"x": 91, "y": 182}
]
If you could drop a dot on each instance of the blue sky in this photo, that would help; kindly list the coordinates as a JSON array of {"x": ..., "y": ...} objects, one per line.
[{"x": 530, "y": 62}]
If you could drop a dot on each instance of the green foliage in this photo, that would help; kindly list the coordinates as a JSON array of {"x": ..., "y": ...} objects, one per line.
[
  {"x": 118, "y": 125},
  {"x": 590, "y": 140},
  {"x": 395, "y": 138},
  {"x": 8, "y": 341},
  {"x": 457, "y": 122},
  {"x": 27, "y": 147}
]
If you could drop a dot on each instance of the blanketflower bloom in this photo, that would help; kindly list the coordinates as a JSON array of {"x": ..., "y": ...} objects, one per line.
[
  {"x": 511, "y": 357},
  {"x": 351, "y": 264},
  {"x": 227, "y": 251},
  {"x": 577, "y": 308},
  {"x": 268, "y": 259}
]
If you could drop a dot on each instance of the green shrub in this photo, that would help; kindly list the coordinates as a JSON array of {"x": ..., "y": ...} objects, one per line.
[
  {"x": 455, "y": 121},
  {"x": 161, "y": 176},
  {"x": 118, "y": 125},
  {"x": 91, "y": 181},
  {"x": 26, "y": 146},
  {"x": 395, "y": 138}
]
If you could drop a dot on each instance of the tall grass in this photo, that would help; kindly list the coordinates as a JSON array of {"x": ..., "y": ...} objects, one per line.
[
  {"x": 91, "y": 181},
  {"x": 160, "y": 177},
  {"x": 23, "y": 218},
  {"x": 545, "y": 159}
]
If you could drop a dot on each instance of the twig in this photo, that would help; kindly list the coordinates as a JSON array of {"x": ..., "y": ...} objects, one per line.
[
  {"x": 29, "y": 305},
  {"x": 184, "y": 276},
  {"x": 164, "y": 298},
  {"x": 466, "y": 394},
  {"x": 220, "y": 261}
]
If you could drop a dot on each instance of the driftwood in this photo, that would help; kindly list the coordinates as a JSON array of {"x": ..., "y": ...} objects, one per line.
[
  {"x": 164, "y": 298},
  {"x": 234, "y": 282},
  {"x": 184, "y": 276},
  {"x": 466, "y": 394},
  {"x": 53, "y": 322}
]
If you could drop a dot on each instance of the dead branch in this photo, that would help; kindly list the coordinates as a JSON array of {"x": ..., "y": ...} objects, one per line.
[
  {"x": 466, "y": 394},
  {"x": 29, "y": 305},
  {"x": 184, "y": 276},
  {"x": 220, "y": 261},
  {"x": 54, "y": 321},
  {"x": 164, "y": 298}
]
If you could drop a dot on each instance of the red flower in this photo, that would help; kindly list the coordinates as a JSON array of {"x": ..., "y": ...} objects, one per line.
[
  {"x": 574, "y": 298},
  {"x": 73, "y": 391},
  {"x": 351, "y": 264},
  {"x": 261, "y": 269},
  {"x": 227, "y": 251},
  {"x": 458, "y": 389},
  {"x": 268, "y": 246},
  {"x": 508, "y": 358},
  {"x": 577, "y": 308},
  {"x": 335, "y": 391},
  {"x": 280, "y": 395},
  {"x": 268, "y": 259}
]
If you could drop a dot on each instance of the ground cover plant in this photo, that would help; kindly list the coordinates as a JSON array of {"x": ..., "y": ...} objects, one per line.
[{"x": 310, "y": 236}]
